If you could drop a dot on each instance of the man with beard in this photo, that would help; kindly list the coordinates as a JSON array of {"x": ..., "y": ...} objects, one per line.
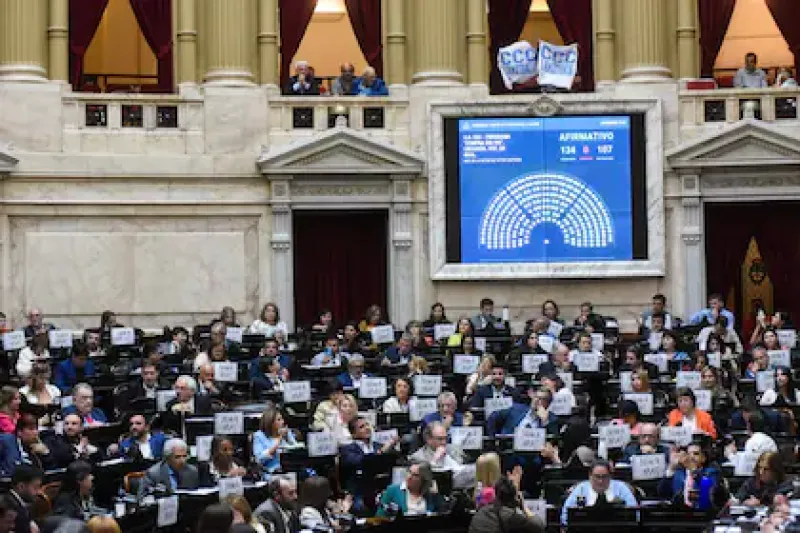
[
  {"x": 280, "y": 510},
  {"x": 72, "y": 445}
]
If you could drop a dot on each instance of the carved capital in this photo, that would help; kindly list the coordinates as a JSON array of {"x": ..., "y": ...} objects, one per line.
[{"x": 691, "y": 238}]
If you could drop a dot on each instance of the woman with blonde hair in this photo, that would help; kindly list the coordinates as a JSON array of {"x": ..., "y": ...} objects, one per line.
[
  {"x": 487, "y": 473},
  {"x": 243, "y": 513},
  {"x": 416, "y": 366},
  {"x": 338, "y": 422},
  {"x": 103, "y": 524}
]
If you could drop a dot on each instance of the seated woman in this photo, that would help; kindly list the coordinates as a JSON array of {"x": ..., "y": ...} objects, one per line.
[
  {"x": 334, "y": 391},
  {"x": 467, "y": 347},
  {"x": 339, "y": 422},
  {"x": 715, "y": 344},
  {"x": 487, "y": 472},
  {"x": 74, "y": 499},
  {"x": 222, "y": 464},
  {"x": 10, "y": 400},
  {"x": 215, "y": 352},
  {"x": 507, "y": 513},
  {"x": 269, "y": 324},
  {"x": 351, "y": 339},
  {"x": 669, "y": 347},
  {"x": 414, "y": 496},
  {"x": 530, "y": 346},
  {"x": 687, "y": 415},
  {"x": 629, "y": 416},
  {"x": 29, "y": 355},
  {"x": 272, "y": 437},
  {"x": 768, "y": 480},
  {"x": 785, "y": 393},
  {"x": 324, "y": 323},
  {"x": 317, "y": 512},
  {"x": 437, "y": 316},
  {"x": 463, "y": 327},
  {"x": 723, "y": 401},
  {"x": 551, "y": 312},
  {"x": 482, "y": 375},
  {"x": 373, "y": 317},
  {"x": 39, "y": 390},
  {"x": 228, "y": 317},
  {"x": 771, "y": 341},
  {"x": 399, "y": 403},
  {"x": 419, "y": 342}
]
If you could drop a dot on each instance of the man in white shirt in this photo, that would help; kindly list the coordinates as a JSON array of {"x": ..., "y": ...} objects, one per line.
[
  {"x": 750, "y": 76},
  {"x": 330, "y": 356}
]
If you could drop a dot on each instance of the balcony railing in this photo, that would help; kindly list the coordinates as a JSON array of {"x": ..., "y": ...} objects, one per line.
[{"x": 721, "y": 106}]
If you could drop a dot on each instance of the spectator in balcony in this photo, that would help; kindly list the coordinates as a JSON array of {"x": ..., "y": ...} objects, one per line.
[
  {"x": 370, "y": 84},
  {"x": 346, "y": 83},
  {"x": 785, "y": 79},
  {"x": 303, "y": 82},
  {"x": 750, "y": 76}
]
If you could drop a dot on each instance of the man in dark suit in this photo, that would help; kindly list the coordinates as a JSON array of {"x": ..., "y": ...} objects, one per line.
[
  {"x": 25, "y": 485},
  {"x": 8, "y": 514},
  {"x": 496, "y": 389},
  {"x": 355, "y": 371},
  {"x": 186, "y": 403},
  {"x": 535, "y": 415},
  {"x": 279, "y": 512},
  {"x": 148, "y": 385},
  {"x": 559, "y": 362},
  {"x": 647, "y": 444},
  {"x": 37, "y": 324},
  {"x": 172, "y": 473},
  {"x": 83, "y": 406}
]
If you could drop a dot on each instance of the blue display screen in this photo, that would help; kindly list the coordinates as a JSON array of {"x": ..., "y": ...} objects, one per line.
[{"x": 543, "y": 190}]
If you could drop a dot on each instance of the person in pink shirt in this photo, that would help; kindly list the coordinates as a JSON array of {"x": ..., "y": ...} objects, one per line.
[{"x": 10, "y": 400}]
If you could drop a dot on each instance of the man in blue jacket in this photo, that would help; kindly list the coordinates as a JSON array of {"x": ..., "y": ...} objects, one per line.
[
  {"x": 74, "y": 370},
  {"x": 355, "y": 371},
  {"x": 83, "y": 406},
  {"x": 141, "y": 443},
  {"x": 535, "y": 415},
  {"x": 496, "y": 389},
  {"x": 370, "y": 84}
]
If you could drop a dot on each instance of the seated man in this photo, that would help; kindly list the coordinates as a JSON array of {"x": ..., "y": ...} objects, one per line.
[
  {"x": 355, "y": 371},
  {"x": 759, "y": 440},
  {"x": 171, "y": 473},
  {"x": 24, "y": 447},
  {"x": 269, "y": 377},
  {"x": 486, "y": 316},
  {"x": 185, "y": 404},
  {"x": 36, "y": 324},
  {"x": 599, "y": 490},
  {"x": 74, "y": 370},
  {"x": 206, "y": 386},
  {"x": 658, "y": 307},
  {"x": 141, "y": 443},
  {"x": 750, "y": 76},
  {"x": 351, "y": 457},
  {"x": 401, "y": 353},
  {"x": 446, "y": 413},
  {"x": 91, "y": 338},
  {"x": 655, "y": 332},
  {"x": 370, "y": 84},
  {"x": 589, "y": 320},
  {"x": 347, "y": 83},
  {"x": 303, "y": 82},
  {"x": 584, "y": 346},
  {"x": 330, "y": 356},
  {"x": 83, "y": 406},
  {"x": 647, "y": 444},
  {"x": 26, "y": 484},
  {"x": 715, "y": 309},
  {"x": 436, "y": 451},
  {"x": 760, "y": 362},
  {"x": 720, "y": 327},
  {"x": 690, "y": 482},
  {"x": 535, "y": 415},
  {"x": 148, "y": 384},
  {"x": 496, "y": 389},
  {"x": 279, "y": 511},
  {"x": 73, "y": 444},
  {"x": 271, "y": 350},
  {"x": 559, "y": 362}
]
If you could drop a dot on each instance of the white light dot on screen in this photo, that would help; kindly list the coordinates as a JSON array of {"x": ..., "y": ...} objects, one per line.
[{"x": 547, "y": 241}]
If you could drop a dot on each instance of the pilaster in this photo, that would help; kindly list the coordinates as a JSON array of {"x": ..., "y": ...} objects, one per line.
[
  {"x": 645, "y": 42},
  {"x": 268, "y": 49},
  {"x": 401, "y": 287},
  {"x": 605, "y": 51},
  {"x": 693, "y": 239},
  {"x": 58, "y": 40},
  {"x": 688, "y": 43},
  {"x": 187, "y": 42},
  {"x": 23, "y": 40},
  {"x": 396, "y": 42},
  {"x": 281, "y": 244},
  {"x": 438, "y": 39},
  {"x": 477, "y": 51},
  {"x": 230, "y": 44}
]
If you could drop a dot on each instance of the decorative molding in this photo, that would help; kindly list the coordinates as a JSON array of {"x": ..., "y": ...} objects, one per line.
[
  {"x": 333, "y": 189},
  {"x": 281, "y": 245},
  {"x": 761, "y": 181},
  {"x": 544, "y": 107},
  {"x": 691, "y": 238},
  {"x": 403, "y": 243}
]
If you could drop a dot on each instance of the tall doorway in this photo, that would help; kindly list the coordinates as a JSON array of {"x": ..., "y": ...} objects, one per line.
[
  {"x": 752, "y": 257},
  {"x": 340, "y": 263}
]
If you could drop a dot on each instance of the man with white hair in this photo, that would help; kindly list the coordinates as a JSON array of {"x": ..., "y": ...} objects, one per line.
[
  {"x": 303, "y": 82},
  {"x": 171, "y": 473},
  {"x": 83, "y": 406},
  {"x": 36, "y": 324},
  {"x": 185, "y": 404},
  {"x": 370, "y": 84}
]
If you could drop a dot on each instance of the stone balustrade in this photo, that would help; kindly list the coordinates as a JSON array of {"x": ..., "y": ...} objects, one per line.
[{"x": 710, "y": 109}]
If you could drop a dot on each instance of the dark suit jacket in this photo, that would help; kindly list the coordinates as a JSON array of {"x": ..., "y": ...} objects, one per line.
[
  {"x": 97, "y": 414},
  {"x": 505, "y": 421},
  {"x": 485, "y": 392},
  {"x": 549, "y": 369},
  {"x": 634, "y": 449},
  {"x": 158, "y": 476},
  {"x": 312, "y": 90},
  {"x": 269, "y": 513},
  {"x": 347, "y": 381},
  {"x": 172, "y": 421},
  {"x": 23, "y": 522},
  {"x": 69, "y": 505},
  {"x": 351, "y": 455},
  {"x": 66, "y": 374},
  {"x": 136, "y": 389}
]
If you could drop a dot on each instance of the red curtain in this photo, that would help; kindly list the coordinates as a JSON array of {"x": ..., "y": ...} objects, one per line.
[
  {"x": 155, "y": 21},
  {"x": 365, "y": 16},
  {"x": 715, "y": 16},
  {"x": 84, "y": 18},
  {"x": 785, "y": 13},
  {"x": 340, "y": 263},
  {"x": 294, "y": 19},
  {"x": 573, "y": 19},
  {"x": 506, "y": 21}
]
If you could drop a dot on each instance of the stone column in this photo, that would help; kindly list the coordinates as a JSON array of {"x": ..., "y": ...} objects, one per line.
[
  {"x": 645, "y": 42},
  {"x": 688, "y": 45},
  {"x": 395, "y": 57},
  {"x": 58, "y": 40},
  {"x": 437, "y": 42},
  {"x": 187, "y": 42},
  {"x": 23, "y": 40},
  {"x": 693, "y": 244},
  {"x": 268, "y": 48},
  {"x": 477, "y": 52},
  {"x": 230, "y": 45},
  {"x": 281, "y": 243},
  {"x": 605, "y": 53},
  {"x": 401, "y": 284}
]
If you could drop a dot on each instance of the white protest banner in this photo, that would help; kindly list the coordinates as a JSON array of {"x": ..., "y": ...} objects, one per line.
[
  {"x": 715, "y": 359},
  {"x": 234, "y": 334},
  {"x": 626, "y": 381},
  {"x": 537, "y": 508},
  {"x": 372, "y": 388},
  {"x": 465, "y": 364},
  {"x": 163, "y": 397},
  {"x": 203, "y": 447},
  {"x": 554, "y": 329},
  {"x": 230, "y": 486},
  {"x": 787, "y": 338},
  {"x": 226, "y": 371},
  {"x": 546, "y": 343},
  {"x": 779, "y": 358},
  {"x": 229, "y": 423},
  {"x": 511, "y": 381},
  {"x": 557, "y": 65},
  {"x": 644, "y": 400},
  {"x": 679, "y": 435},
  {"x": 490, "y": 405},
  {"x": 517, "y": 63},
  {"x": 296, "y": 391},
  {"x": 703, "y": 399},
  {"x": 419, "y": 408},
  {"x": 567, "y": 378},
  {"x": 123, "y": 337},
  {"x": 561, "y": 405},
  {"x": 765, "y": 380},
  {"x": 384, "y": 436},
  {"x": 427, "y": 385},
  {"x": 744, "y": 463},
  {"x": 587, "y": 362},
  {"x": 532, "y": 361},
  {"x": 383, "y": 334},
  {"x": 654, "y": 341},
  {"x": 13, "y": 340},
  {"x": 167, "y": 511},
  {"x": 598, "y": 342},
  {"x": 322, "y": 444},
  {"x": 60, "y": 338},
  {"x": 443, "y": 331},
  {"x": 658, "y": 359},
  {"x": 529, "y": 439},
  {"x": 480, "y": 343},
  {"x": 689, "y": 380},
  {"x": 651, "y": 466},
  {"x": 467, "y": 437},
  {"x": 615, "y": 435}
]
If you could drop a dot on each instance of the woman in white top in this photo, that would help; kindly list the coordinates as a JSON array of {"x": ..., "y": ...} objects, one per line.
[
  {"x": 39, "y": 390},
  {"x": 269, "y": 324},
  {"x": 338, "y": 420},
  {"x": 28, "y": 355},
  {"x": 215, "y": 353},
  {"x": 402, "y": 394},
  {"x": 483, "y": 376}
]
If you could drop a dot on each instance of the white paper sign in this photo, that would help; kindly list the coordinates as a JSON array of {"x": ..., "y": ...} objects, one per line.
[
  {"x": 203, "y": 447},
  {"x": 587, "y": 362},
  {"x": 529, "y": 439},
  {"x": 779, "y": 358},
  {"x": 654, "y": 341},
  {"x": 229, "y": 423},
  {"x": 163, "y": 397},
  {"x": 557, "y": 64},
  {"x": 537, "y": 508},
  {"x": 66, "y": 401},
  {"x": 561, "y": 406},
  {"x": 615, "y": 435},
  {"x": 467, "y": 437},
  {"x": 651, "y": 466},
  {"x": 480, "y": 343},
  {"x": 715, "y": 359},
  {"x": 744, "y": 463},
  {"x": 60, "y": 338},
  {"x": 230, "y": 486},
  {"x": 167, "y": 511},
  {"x": 517, "y": 63},
  {"x": 532, "y": 361},
  {"x": 689, "y": 380},
  {"x": 372, "y": 388},
  {"x": 554, "y": 329},
  {"x": 787, "y": 338},
  {"x": 383, "y": 334},
  {"x": 546, "y": 343},
  {"x": 680, "y": 435},
  {"x": 226, "y": 371},
  {"x": 384, "y": 436},
  {"x": 598, "y": 342},
  {"x": 644, "y": 400},
  {"x": 234, "y": 334},
  {"x": 703, "y": 399},
  {"x": 765, "y": 380},
  {"x": 567, "y": 378},
  {"x": 322, "y": 444},
  {"x": 443, "y": 331},
  {"x": 123, "y": 337},
  {"x": 626, "y": 381},
  {"x": 658, "y": 359},
  {"x": 465, "y": 364},
  {"x": 13, "y": 340},
  {"x": 427, "y": 385},
  {"x": 419, "y": 408},
  {"x": 296, "y": 391},
  {"x": 490, "y": 405}
]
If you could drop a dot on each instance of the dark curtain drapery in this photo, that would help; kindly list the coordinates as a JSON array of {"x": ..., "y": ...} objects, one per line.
[
  {"x": 295, "y": 16},
  {"x": 365, "y": 17},
  {"x": 155, "y": 21},
  {"x": 715, "y": 16},
  {"x": 84, "y": 18},
  {"x": 340, "y": 263},
  {"x": 785, "y": 13},
  {"x": 506, "y": 21},
  {"x": 573, "y": 19}
]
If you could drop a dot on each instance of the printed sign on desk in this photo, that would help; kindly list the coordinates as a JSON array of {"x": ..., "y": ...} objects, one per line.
[
  {"x": 427, "y": 385},
  {"x": 765, "y": 380},
  {"x": 203, "y": 447},
  {"x": 567, "y": 378},
  {"x": 230, "y": 486},
  {"x": 703, "y": 399},
  {"x": 322, "y": 444},
  {"x": 384, "y": 436},
  {"x": 680, "y": 435},
  {"x": 443, "y": 331},
  {"x": 163, "y": 397},
  {"x": 167, "y": 511},
  {"x": 651, "y": 466},
  {"x": 383, "y": 334},
  {"x": 787, "y": 338},
  {"x": 467, "y": 437},
  {"x": 229, "y": 423},
  {"x": 529, "y": 439},
  {"x": 561, "y": 406},
  {"x": 226, "y": 371},
  {"x": 60, "y": 338},
  {"x": 123, "y": 337},
  {"x": 658, "y": 359},
  {"x": 546, "y": 343},
  {"x": 554, "y": 329},
  {"x": 587, "y": 362},
  {"x": 465, "y": 364},
  {"x": 615, "y": 435},
  {"x": 644, "y": 400},
  {"x": 691, "y": 380},
  {"x": 13, "y": 340},
  {"x": 372, "y": 388},
  {"x": 532, "y": 361},
  {"x": 234, "y": 334},
  {"x": 419, "y": 408},
  {"x": 598, "y": 342},
  {"x": 296, "y": 391},
  {"x": 490, "y": 405},
  {"x": 779, "y": 358}
]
